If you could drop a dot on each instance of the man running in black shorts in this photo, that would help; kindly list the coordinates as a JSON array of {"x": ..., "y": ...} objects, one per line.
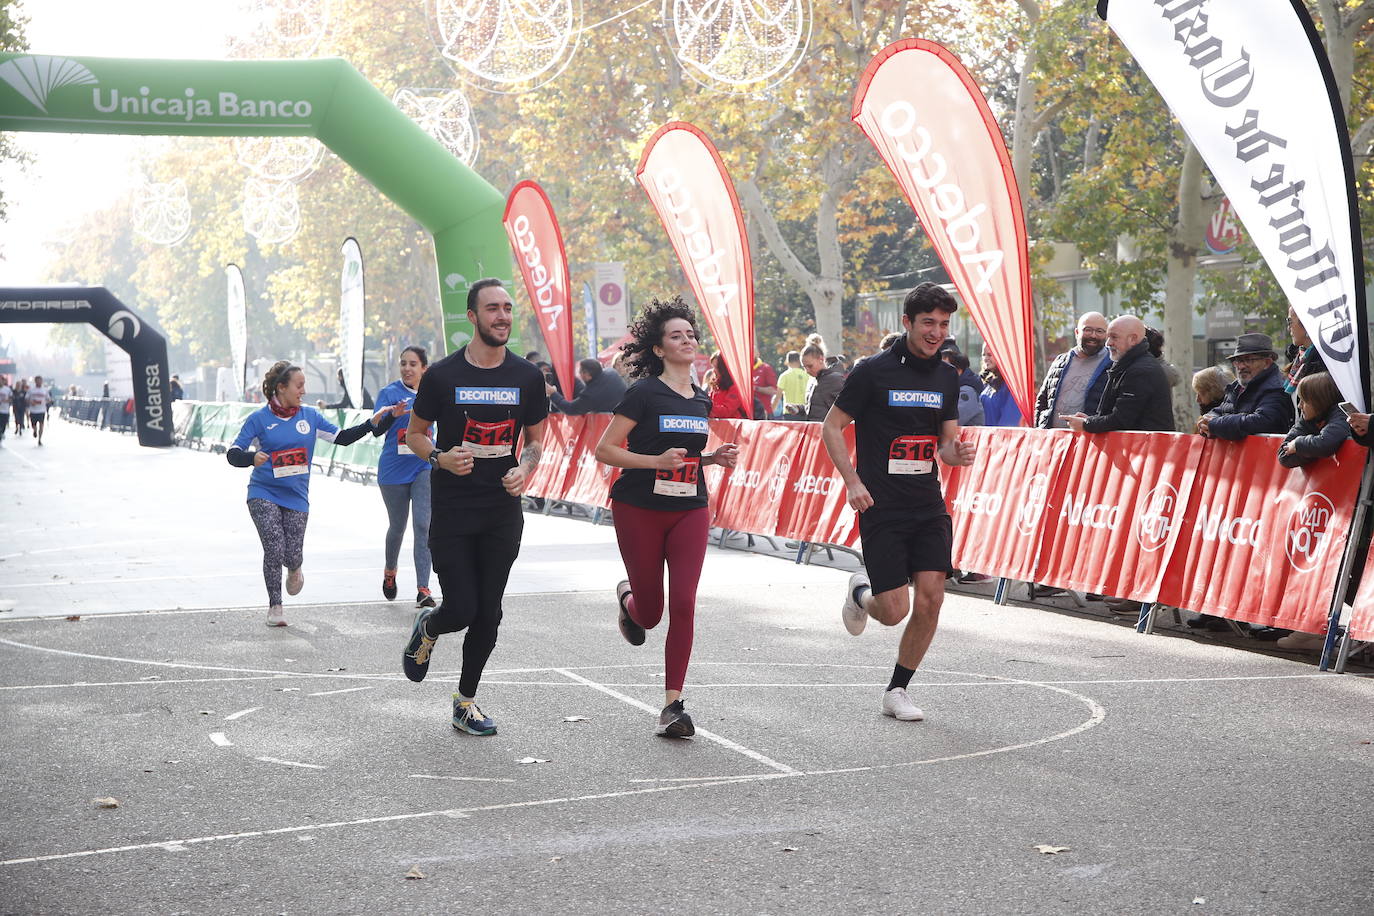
[
  {"x": 482, "y": 398},
  {"x": 904, "y": 404}
]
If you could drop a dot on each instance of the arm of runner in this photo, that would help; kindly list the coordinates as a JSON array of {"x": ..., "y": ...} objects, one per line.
[
  {"x": 953, "y": 451},
  {"x": 611, "y": 449},
  {"x": 455, "y": 460},
  {"x": 530, "y": 453},
  {"x": 832, "y": 434},
  {"x": 725, "y": 455}
]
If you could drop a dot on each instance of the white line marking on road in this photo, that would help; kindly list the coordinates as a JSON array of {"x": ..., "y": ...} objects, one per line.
[
  {"x": 290, "y": 763},
  {"x": 68, "y": 548},
  {"x": 709, "y": 736},
  {"x": 391, "y": 818},
  {"x": 13, "y": 454},
  {"x": 220, "y": 739},
  {"x": 189, "y": 680},
  {"x": 241, "y": 713},
  {"x": 460, "y": 778},
  {"x": 745, "y": 776},
  {"x": 330, "y": 693}
]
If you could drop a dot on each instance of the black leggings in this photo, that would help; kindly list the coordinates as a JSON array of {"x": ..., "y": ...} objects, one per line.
[
  {"x": 282, "y": 532},
  {"x": 472, "y": 560}
]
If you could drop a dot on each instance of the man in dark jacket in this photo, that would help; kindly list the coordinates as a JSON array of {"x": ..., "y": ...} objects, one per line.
[
  {"x": 601, "y": 391},
  {"x": 1256, "y": 401},
  {"x": 1075, "y": 380},
  {"x": 1137, "y": 395},
  {"x": 826, "y": 382}
]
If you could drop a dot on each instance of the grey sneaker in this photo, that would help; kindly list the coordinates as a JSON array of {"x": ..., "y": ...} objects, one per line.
[
  {"x": 674, "y": 722},
  {"x": 276, "y": 617},
  {"x": 295, "y": 581},
  {"x": 853, "y": 613}
]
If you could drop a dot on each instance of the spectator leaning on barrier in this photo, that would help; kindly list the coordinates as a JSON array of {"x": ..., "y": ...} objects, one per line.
[
  {"x": 825, "y": 386},
  {"x": 1074, "y": 382},
  {"x": 1321, "y": 428},
  {"x": 1137, "y": 396},
  {"x": 1209, "y": 387},
  {"x": 1255, "y": 402},
  {"x": 793, "y": 383},
  {"x": 601, "y": 390}
]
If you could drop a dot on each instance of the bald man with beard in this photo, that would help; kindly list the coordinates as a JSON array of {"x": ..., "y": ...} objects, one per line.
[{"x": 1138, "y": 396}]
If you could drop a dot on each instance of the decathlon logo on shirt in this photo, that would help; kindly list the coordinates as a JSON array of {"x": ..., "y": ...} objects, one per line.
[
  {"x": 498, "y": 396},
  {"x": 896, "y": 398},
  {"x": 672, "y": 424}
]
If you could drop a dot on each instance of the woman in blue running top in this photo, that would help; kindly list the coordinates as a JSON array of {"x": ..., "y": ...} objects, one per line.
[
  {"x": 404, "y": 481},
  {"x": 284, "y": 432}
]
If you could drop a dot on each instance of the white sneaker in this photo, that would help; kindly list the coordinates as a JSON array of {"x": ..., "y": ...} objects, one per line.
[
  {"x": 899, "y": 706},
  {"x": 1303, "y": 642},
  {"x": 295, "y": 581},
  {"x": 276, "y": 617},
  {"x": 854, "y": 616}
]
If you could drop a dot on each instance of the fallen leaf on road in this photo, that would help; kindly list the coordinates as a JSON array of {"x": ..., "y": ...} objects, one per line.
[
  {"x": 789, "y": 849},
  {"x": 105, "y": 802},
  {"x": 414, "y": 874},
  {"x": 336, "y": 669},
  {"x": 1199, "y": 900},
  {"x": 532, "y": 760},
  {"x": 205, "y": 712},
  {"x": 1049, "y": 850},
  {"x": 556, "y": 859},
  {"x": 574, "y": 718},
  {"x": 74, "y": 617}
]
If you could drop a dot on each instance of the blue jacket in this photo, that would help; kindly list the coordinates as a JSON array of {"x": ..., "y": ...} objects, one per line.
[
  {"x": 1310, "y": 441},
  {"x": 999, "y": 407},
  {"x": 1048, "y": 395},
  {"x": 1263, "y": 406}
]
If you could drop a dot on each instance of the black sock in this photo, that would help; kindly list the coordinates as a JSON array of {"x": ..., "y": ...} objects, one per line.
[
  {"x": 859, "y": 594},
  {"x": 901, "y": 677}
]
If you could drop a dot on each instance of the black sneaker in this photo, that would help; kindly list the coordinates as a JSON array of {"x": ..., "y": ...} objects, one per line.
[
  {"x": 468, "y": 718},
  {"x": 633, "y": 632},
  {"x": 674, "y": 722},
  {"x": 389, "y": 584},
  {"x": 423, "y": 598},
  {"x": 415, "y": 658}
]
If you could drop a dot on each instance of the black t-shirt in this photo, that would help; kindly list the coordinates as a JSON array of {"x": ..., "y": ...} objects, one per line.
[
  {"x": 483, "y": 410},
  {"x": 899, "y": 401},
  {"x": 664, "y": 419}
]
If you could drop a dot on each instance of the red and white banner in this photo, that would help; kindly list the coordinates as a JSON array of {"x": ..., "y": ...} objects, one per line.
[
  {"x": 687, "y": 183},
  {"x": 1262, "y": 543},
  {"x": 538, "y": 245},
  {"x": 1362, "y": 615},
  {"x": 933, "y": 128},
  {"x": 1114, "y": 512},
  {"x": 1000, "y": 504}
]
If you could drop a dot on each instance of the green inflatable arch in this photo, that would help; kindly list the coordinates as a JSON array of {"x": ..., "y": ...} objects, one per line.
[{"x": 326, "y": 99}]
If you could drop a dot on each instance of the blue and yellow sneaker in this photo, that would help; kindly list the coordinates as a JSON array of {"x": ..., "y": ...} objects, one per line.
[
  {"x": 415, "y": 658},
  {"x": 468, "y": 718}
]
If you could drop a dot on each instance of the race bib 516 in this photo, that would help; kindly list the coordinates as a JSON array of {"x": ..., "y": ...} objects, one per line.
[{"x": 912, "y": 455}]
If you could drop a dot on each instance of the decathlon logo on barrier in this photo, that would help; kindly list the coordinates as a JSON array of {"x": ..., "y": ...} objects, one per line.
[
  {"x": 1309, "y": 528},
  {"x": 1155, "y": 517},
  {"x": 1033, "y": 500}
]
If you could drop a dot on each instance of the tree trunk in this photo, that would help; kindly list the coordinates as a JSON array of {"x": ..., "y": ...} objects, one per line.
[{"x": 1185, "y": 241}]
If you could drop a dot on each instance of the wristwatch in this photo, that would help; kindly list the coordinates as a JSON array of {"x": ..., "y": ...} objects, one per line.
[{"x": 434, "y": 458}]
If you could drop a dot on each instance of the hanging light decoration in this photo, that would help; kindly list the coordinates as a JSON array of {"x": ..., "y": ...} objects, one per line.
[
  {"x": 271, "y": 210},
  {"x": 279, "y": 28},
  {"x": 162, "y": 211},
  {"x": 508, "y": 45},
  {"x": 445, "y": 115},
  {"x": 740, "y": 45},
  {"x": 279, "y": 158}
]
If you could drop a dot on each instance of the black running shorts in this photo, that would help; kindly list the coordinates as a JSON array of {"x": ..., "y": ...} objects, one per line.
[{"x": 897, "y": 545}]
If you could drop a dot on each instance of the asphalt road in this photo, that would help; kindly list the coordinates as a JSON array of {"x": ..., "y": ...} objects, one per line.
[{"x": 296, "y": 771}]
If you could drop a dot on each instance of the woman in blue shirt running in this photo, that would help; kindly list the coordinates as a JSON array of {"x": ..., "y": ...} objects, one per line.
[
  {"x": 285, "y": 431},
  {"x": 404, "y": 481}
]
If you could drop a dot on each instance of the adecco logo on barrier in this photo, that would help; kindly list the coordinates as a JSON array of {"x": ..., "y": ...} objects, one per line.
[
  {"x": 1309, "y": 529},
  {"x": 1156, "y": 517},
  {"x": 979, "y": 503},
  {"x": 1033, "y": 500}
]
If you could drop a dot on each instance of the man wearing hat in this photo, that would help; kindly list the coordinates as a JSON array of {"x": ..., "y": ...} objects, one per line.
[{"x": 1256, "y": 401}]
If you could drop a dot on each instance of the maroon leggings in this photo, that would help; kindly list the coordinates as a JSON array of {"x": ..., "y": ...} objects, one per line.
[{"x": 647, "y": 538}]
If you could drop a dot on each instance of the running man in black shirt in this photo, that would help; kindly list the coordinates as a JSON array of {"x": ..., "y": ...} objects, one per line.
[
  {"x": 482, "y": 397},
  {"x": 659, "y": 502},
  {"x": 904, "y": 404}
]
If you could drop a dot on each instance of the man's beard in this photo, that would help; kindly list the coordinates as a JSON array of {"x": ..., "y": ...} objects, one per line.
[
  {"x": 1091, "y": 347},
  {"x": 490, "y": 339}
]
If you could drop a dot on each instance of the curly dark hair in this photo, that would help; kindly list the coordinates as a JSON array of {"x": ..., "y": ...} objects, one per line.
[
  {"x": 279, "y": 374},
  {"x": 647, "y": 332}
]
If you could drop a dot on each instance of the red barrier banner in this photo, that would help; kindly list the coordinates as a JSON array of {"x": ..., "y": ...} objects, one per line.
[
  {"x": 589, "y": 481},
  {"x": 746, "y": 497},
  {"x": 1114, "y": 512},
  {"x": 998, "y": 504},
  {"x": 1362, "y": 615},
  {"x": 560, "y": 442},
  {"x": 538, "y": 245},
  {"x": 814, "y": 506},
  {"x": 1262, "y": 543},
  {"x": 930, "y": 123},
  {"x": 692, "y": 193}
]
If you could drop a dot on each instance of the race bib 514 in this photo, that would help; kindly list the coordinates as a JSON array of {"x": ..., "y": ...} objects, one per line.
[
  {"x": 679, "y": 482},
  {"x": 489, "y": 440}
]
